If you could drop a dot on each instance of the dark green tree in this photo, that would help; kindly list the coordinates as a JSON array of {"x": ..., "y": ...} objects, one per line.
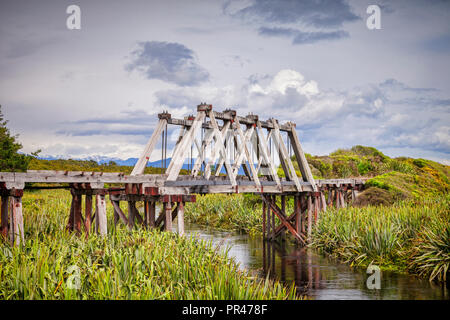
[{"x": 10, "y": 158}]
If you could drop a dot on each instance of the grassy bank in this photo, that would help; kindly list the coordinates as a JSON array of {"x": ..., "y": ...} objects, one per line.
[
  {"x": 412, "y": 236},
  {"x": 123, "y": 265}
]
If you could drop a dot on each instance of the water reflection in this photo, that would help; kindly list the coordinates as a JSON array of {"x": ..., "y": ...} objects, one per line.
[{"x": 316, "y": 275}]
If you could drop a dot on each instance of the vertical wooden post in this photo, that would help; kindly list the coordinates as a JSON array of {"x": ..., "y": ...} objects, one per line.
[
  {"x": 131, "y": 214},
  {"x": 269, "y": 220},
  {"x": 323, "y": 202},
  {"x": 298, "y": 214},
  {"x": 264, "y": 220},
  {"x": 315, "y": 207},
  {"x": 338, "y": 199},
  {"x": 180, "y": 218},
  {"x": 353, "y": 195},
  {"x": 152, "y": 214},
  {"x": 341, "y": 198},
  {"x": 274, "y": 200},
  {"x": 167, "y": 206},
  {"x": 146, "y": 213},
  {"x": 16, "y": 230},
  {"x": 88, "y": 213},
  {"x": 303, "y": 212},
  {"x": 330, "y": 198},
  {"x": 100, "y": 218},
  {"x": 77, "y": 216},
  {"x": 4, "y": 216},
  {"x": 310, "y": 216},
  {"x": 283, "y": 209}
]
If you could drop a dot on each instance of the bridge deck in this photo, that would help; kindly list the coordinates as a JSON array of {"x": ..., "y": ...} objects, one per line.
[{"x": 183, "y": 184}]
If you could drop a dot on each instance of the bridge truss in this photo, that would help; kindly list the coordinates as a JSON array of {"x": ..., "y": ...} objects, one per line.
[{"x": 234, "y": 154}]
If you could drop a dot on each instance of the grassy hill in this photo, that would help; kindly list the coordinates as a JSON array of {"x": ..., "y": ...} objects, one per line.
[
  {"x": 87, "y": 165},
  {"x": 391, "y": 179}
]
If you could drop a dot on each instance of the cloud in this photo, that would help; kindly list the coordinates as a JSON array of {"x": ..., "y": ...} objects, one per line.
[
  {"x": 128, "y": 123},
  {"x": 301, "y": 37},
  {"x": 169, "y": 62},
  {"x": 318, "y": 14},
  {"x": 301, "y": 21},
  {"x": 389, "y": 114}
]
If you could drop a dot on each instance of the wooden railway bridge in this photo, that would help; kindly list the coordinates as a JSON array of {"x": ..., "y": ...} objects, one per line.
[{"x": 225, "y": 144}]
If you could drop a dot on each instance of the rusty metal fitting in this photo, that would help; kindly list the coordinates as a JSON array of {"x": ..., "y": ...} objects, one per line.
[
  {"x": 204, "y": 107},
  {"x": 164, "y": 115}
]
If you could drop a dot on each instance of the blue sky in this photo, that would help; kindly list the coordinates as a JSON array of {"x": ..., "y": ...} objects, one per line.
[{"x": 97, "y": 91}]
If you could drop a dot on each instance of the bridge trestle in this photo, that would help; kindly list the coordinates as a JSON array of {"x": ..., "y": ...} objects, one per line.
[{"x": 304, "y": 213}]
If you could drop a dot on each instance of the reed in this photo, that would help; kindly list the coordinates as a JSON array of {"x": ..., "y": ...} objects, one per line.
[
  {"x": 124, "y": 265},
  {"x": 409, "y": 236}
]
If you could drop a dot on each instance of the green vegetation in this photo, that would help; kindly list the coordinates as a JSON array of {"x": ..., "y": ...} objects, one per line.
[
  {"x": 10, "y": 158},
  {"x": 87, "y": 165},
  {"x": 391, "y": 179},
  {"x": 228, "y": 212},
  {"x": 137, "y": 265},
  {"x": 237, "y": 212},
  {"x": 409, "y": 236}
]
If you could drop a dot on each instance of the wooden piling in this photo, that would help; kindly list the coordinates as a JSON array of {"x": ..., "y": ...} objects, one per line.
[
  {"x": 167, "y": 207},
  {"x": 17, "y": 236},
  {"x": 100, "y": 216},
  {"x": 310, "y": 216},
  {"x": 264, "y": 220},
  {"x": 77, "y": 216},
  {"x": 88, "y": 213},
  {"x": 180, "y": 218},
  {"x": 4, "y": 216},
  {"x": 131, "y": 214}
]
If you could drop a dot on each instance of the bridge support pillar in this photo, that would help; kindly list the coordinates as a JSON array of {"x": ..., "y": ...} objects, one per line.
[
  {"x": 12, "y": 216},
  {"x": 76, "y": 222}
]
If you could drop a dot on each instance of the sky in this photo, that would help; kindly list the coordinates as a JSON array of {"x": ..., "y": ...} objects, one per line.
[{"x": 96, "y": 91}]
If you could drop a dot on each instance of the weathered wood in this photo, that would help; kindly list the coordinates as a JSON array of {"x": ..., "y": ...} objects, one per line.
[
  {"x": 180, "y": 218},
  {"x": 226, "y": 116},
  {"x": 341, "y": 198},
  {"x": 100, "y": 216},
  {"x": 77, "y": 215},
  {"x": 167, "y": 207},
  {"x": 131, "y": 214},
  {"x": 264, "y": 219},
  {"x": 310, "y": 217},
  {"x": 243, "y": 152},
  {"x": 201, "y": 155},
  {"x": 186, "y": 141},
  {"x": 221, "y": 147},
  {"x": 301, "y": 159},
  {"x": 17, "y": 236},
  {"x": 298, "y": 214},
  {"x": 323, "y": 202},
  {"x": 143, "y": 159},
  {"x": 4, "y": 216},
  {"x": 215, "y": 150},
  {"x": 285, "y": 160},
  {"x": 119, "y": 212},
  {"x": 266, "y": 154},
  {"x": 88, "y": 213},
  {"x": 152, "y": 214},
  {"x": 282, "y": 217}
]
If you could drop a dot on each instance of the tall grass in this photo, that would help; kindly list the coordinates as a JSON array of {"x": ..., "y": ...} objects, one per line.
[
  {"x": 230, "y": 212},
  {"x": 410, "y": 235},
  {"x": 239, "y": 212},
  {"x": 123, "y": 265}
]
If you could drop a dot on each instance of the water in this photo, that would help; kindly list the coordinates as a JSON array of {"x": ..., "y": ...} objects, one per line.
[{"x": 315, "y": 275}]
